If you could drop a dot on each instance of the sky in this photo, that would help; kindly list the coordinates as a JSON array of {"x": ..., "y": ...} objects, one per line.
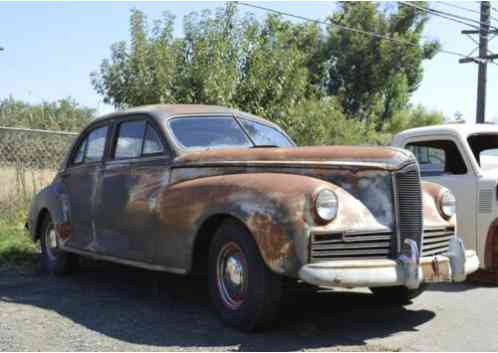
[{"x": 51, "y": 48}]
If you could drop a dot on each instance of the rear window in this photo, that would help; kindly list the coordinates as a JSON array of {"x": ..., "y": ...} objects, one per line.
[{"x": 485, "y": 149}]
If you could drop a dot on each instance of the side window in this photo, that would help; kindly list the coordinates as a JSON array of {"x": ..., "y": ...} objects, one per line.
[
  {"x": 438, "y": 157},
  {"x": 152, "y": 142},
  {"x": 80, "y": 154},
  {"x": 130, "y": 137},
  {"x": 96, "y": 145}
]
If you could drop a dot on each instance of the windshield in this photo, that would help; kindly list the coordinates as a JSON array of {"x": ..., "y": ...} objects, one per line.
[
  {"x": 264, "y": 135},
  {"x": 485, "y": 149},
  {"x": 213, "y": 132}
]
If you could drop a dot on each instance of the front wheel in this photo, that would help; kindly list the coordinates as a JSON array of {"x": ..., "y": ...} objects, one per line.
[
  {"x": 54, "y": 259},
  {"x": 398, "y": 295},
  {"x": 245, "y": 293}
]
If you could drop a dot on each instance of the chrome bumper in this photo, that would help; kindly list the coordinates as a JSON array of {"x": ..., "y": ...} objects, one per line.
[{"x": 408, "y": 270}]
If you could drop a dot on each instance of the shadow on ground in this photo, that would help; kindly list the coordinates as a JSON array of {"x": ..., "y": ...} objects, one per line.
[{"x": 156, "y": 309}]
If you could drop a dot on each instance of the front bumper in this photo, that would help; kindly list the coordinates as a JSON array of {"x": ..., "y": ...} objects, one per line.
[{"x": 408, "y": 270}]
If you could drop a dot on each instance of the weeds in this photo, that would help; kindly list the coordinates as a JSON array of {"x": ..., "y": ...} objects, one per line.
[{"x": 16, "y": 248}]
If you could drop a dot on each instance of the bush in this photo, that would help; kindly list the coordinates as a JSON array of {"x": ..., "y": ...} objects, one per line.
[{"x": 321, "y": 122}]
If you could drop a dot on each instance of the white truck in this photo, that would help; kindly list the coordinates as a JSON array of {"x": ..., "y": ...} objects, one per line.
[{"x": 463, "y": 158}]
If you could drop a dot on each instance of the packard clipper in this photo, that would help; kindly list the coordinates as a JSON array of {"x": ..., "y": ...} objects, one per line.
[{"x": 210, "y": 190}]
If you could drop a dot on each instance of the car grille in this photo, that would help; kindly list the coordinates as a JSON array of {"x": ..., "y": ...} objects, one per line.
[
  {"x": 340, "y": 246},
  {"x": 436, "y": 240},
  {"x": 409, "y": 204}
]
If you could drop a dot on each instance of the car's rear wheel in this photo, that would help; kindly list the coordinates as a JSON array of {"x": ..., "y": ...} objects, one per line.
[
  {"x": 54, "y": 259},
  {"x": 398, "y": 295},
  {"x": 245, "y": 293}
]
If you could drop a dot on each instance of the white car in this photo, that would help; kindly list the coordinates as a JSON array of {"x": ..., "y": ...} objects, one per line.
[{"x": 463, "y": 158}]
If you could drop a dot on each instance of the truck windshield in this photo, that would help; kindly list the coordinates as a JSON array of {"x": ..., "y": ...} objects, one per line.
[{"x": 485, "y": 149}]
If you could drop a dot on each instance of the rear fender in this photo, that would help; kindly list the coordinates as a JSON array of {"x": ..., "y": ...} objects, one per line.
[{"x": 53, "y": 200}]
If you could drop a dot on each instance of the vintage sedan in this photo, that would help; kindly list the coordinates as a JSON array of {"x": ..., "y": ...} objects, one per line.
[{"x": 210, "y": 190}]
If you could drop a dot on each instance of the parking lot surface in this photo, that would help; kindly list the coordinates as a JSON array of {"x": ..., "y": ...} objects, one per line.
[{"x": 108, "y": 307}]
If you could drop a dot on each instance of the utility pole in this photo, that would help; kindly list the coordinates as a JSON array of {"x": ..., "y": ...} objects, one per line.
[
  {"x": 482, "y": 59},
  {"x": 483, "y": 65}
]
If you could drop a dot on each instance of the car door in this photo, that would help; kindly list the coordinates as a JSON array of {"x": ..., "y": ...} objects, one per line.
[
  {"x": 82, "y": 182},
  {"x": 441, "y": 161},
  {"x": 138, "y": 166}
]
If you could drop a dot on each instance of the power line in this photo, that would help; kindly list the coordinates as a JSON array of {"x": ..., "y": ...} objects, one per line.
[
  {"x": 346, "y": 28},
  {"x": 459, "y": 7},
  {"x": 446, "y": 15}
]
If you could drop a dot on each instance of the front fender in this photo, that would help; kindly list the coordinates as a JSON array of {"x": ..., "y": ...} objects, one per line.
[
  {"x": 276, "y": 208},
  {"x": 432, "y": 216}
]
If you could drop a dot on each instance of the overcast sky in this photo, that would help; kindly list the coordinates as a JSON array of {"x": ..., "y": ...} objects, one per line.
[{"x": 51, "y": 48}]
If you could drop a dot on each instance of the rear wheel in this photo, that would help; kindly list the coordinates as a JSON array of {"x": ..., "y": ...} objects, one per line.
[
  {"x": 245, "y": 293},
  {"x": 398, "y": 295},
  {"x": 54, "y": 259}
]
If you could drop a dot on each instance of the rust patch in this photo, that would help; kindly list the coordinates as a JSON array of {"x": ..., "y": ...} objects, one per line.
[
  {"x": 491, "y": 247},
  {"x": 64, "y": 230},
  {"x": 436, "y": 270}
]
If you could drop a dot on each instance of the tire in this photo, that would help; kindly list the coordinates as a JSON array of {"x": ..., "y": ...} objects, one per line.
[
  {"x": 398, "y": 295},
  {"x": 244, "y": 292},
  {"x": 54, "y": 260}
]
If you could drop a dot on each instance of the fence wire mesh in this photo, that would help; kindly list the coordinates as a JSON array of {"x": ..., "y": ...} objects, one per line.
[{"x": 29, "y": 159}]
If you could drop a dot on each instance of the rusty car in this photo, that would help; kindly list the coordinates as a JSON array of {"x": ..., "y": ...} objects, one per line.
[{"x": 196, "y": 189}]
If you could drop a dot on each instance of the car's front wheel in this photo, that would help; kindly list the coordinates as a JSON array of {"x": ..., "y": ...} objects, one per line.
[
  {"x": 54, "y": 259},
  {"x": 245, "y": 293},
  {"x": 398, "y": 295}
]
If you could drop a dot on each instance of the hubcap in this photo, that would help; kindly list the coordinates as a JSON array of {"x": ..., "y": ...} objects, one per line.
[
  {"x": 232, "y": 275},
  {"x": 51, "y": 241}
]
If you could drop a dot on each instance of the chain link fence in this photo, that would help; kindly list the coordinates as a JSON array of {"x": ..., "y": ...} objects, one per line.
[{"x": 29, "y": 159}]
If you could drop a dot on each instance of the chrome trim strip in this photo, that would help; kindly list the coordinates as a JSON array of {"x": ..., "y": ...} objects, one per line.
[
  {"x": 396, "y": 215},
  {"x": 294, "y": 164},
  {"x": 125, "y": 261}
]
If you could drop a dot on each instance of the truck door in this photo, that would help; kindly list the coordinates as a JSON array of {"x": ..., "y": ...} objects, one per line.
[{"x": 441, "y": 161}]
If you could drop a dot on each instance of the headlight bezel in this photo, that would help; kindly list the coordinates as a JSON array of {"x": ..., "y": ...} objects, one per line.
[
  {"x": 320, "y": 198},
  {"x": 445, "y": 205}
]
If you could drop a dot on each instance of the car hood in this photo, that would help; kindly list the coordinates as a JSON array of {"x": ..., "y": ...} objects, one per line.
[{"x": 381, "y": 157}]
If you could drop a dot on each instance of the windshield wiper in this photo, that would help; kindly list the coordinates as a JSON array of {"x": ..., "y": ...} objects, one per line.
[{"x": 265, "y": 146}]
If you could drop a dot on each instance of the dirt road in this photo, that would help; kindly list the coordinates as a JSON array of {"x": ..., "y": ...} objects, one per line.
[{"x": 118, "y": 308}]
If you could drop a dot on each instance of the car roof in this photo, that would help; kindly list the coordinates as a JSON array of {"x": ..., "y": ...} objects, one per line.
[
  {"x": 463, "y": 130},
  {"x": 167, "y": 111}
]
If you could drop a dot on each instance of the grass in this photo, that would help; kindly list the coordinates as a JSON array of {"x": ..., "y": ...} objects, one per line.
[{"x": 17, "y": 250}]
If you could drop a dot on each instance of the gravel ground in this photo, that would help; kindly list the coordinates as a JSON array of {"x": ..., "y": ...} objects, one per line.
[{"x": 114, "y": 308}]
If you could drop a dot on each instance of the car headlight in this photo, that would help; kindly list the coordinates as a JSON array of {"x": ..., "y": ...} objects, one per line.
[
  {"x": 326, "y": 205},
  {"x": 447, "y": 204}
]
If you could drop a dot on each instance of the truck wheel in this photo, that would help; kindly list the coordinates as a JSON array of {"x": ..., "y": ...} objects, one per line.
[
  {"x": 245, "y": 293},
  {"x": 54, "y": 260},
  {"x": 398, "y": 295}
]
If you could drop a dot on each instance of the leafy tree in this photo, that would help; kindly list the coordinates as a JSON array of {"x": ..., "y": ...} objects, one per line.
[
  {"x": 374, "y": 77},
  {"x": 318, "y": 84},
  {"x": 413, "y": 117},
  {"x": 64, "y": 114},
  {"x": 144, "y": 73}
]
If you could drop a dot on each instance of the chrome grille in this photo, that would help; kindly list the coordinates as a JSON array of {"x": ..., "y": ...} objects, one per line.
[
  {"x": 409, "y": 204},
  {"x": 340, "y": 246},
  {"x": 436, "y": 240}
]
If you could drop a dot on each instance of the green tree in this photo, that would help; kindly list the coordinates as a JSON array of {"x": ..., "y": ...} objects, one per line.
[
  {"x": 413, "y": 117},
  {"x": 373, "y": 78},
  {"x": 64, "y": 114},
  {"x": 144, "y": 72},
  {"x": 274, "y": 68}
]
